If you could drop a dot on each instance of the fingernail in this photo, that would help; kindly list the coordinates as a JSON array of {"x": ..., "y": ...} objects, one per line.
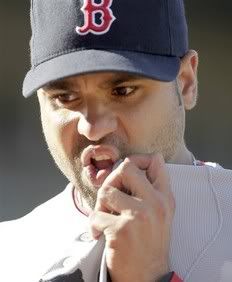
[{"x": 117, "y": 163}]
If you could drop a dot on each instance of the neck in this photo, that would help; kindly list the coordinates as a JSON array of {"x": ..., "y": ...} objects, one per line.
[{"x": 182, "y": 156}]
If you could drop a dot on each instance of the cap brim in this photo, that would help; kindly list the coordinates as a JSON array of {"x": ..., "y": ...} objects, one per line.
[{"x": 163, "y": 68}]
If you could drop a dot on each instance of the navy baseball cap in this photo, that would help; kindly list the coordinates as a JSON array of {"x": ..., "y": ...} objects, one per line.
[{"x": 72, "y": 37}]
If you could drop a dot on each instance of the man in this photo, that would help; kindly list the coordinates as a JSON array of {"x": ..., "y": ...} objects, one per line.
[{"x": 114, "y": 79}]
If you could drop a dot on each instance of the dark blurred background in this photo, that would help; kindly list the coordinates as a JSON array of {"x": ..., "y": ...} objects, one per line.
[{"x": 27, "y": 173}]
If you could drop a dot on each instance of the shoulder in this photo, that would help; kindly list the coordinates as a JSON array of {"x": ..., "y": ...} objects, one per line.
[
  {"x": 27, "y": 244},
  {"x": 203, "y": 173},
  {"x": 203, "y": 198},
  {"x": 42, "y": 224},
  {"x": 50, "y": 211}
]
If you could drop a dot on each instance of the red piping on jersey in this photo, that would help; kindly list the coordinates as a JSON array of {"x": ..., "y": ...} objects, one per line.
[
  {"x": 77, "y": 204},
  {"x": 175, "y": 278}
]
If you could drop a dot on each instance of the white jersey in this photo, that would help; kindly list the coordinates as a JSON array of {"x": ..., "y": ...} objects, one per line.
[{"x": 53, "y": 240}]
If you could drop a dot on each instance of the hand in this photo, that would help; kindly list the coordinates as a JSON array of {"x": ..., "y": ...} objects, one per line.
[{"x": 136, "y": 225}]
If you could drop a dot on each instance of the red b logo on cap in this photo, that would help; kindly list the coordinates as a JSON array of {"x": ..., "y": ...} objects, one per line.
[{"x": 90, "y": 10}]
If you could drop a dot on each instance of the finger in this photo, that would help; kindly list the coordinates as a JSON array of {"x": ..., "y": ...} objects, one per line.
[
  {"x": 128, "y": 177},
  {"x": 159, "y": 172},
  {"x": 113, "y": 200},
  {"x": 148, "y": 162},
  {"x": 155, "y": 170},
  {"x": 99, "y": 221}
]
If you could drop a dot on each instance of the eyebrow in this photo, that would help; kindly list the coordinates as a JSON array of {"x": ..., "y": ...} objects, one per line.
[
  {"x": 120, "y": 78},
  {"x": 57, "y": 85},
  {"x": 116, "y": 79}
]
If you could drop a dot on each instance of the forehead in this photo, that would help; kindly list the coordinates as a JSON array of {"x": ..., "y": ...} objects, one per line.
[{"x": 104, "y": 79}]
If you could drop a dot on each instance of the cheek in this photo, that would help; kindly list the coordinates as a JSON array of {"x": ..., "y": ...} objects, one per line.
[
  {"x": 60, "y": 131},
  {"x": 140, "y": 120},
  {"x": 144, "y": 121}
]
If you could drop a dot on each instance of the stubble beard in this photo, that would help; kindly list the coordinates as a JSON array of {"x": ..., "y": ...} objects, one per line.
[
  {"x": 174, "y": 136},
  {"x": 166, "y": 141},
  {"x": 87, "y": 191}
]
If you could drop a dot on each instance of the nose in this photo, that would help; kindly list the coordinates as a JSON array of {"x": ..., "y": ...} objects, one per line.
[{"x": 96, "y": 125}]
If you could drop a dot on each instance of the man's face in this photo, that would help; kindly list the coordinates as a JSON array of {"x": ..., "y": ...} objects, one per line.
[{"x": 91, "y": 121}]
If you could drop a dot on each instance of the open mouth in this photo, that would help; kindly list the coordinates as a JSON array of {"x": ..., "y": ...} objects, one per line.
[
  {"x": 102, "y": 162},
  {"x": 98, "y": 162}
]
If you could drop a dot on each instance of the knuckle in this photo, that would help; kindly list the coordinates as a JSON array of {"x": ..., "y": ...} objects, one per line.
[
  {"x": 162, "y": 210},
  {"x": 161, "y": 213},
  {"x": 107, "y": 195},
  {"x": 165, "y": 206},
  {"x": 93, "y": 226},
  {"x": 93, "y": 221},
  {"x": 162, "y": 205},
  {"x": 92, "y": 218},
  {"x": 101, "y": 196},
  {"x": 124, "y": 231},
  {"x": 105, "y": 190},
  {"x": 125, "y": 166},
  {"x": 143, "y": 215},
  {"x": 125, "y": 228},
  {"x": 112, "y": 243}
]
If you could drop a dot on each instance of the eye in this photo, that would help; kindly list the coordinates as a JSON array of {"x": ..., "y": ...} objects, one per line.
[
  {"x": 124, "y": 91},
  {"x": 64, "y": 98}
]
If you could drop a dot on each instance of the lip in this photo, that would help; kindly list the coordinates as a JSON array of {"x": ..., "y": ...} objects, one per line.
[
  {"x": 95, "y": 177},
  {"x": 97, "y": 150}
]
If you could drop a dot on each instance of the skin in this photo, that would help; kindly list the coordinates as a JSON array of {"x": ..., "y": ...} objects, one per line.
[{"x": 145, "y": 121}]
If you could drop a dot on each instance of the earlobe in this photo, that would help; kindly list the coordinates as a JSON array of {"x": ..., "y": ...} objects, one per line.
[{"x": 187, "y": 79}]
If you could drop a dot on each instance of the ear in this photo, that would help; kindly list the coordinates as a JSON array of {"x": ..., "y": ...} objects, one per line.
[{"x": 187, "y": 79}]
